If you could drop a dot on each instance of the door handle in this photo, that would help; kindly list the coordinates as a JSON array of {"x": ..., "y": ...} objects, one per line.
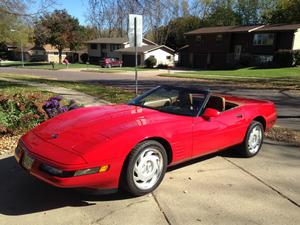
[{"x": 239, "y": 116}]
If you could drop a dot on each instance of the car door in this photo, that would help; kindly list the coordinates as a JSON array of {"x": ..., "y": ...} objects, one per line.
[{"x": 217, "y": 132}]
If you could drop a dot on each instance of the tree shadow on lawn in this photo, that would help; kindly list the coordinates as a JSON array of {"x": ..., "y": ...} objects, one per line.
[
  {"x": 7, "y": 84},
  {"x": 23, "y": 194}
]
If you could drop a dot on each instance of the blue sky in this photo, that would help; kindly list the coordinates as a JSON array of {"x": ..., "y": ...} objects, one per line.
[{"x": 76, "y": 8}]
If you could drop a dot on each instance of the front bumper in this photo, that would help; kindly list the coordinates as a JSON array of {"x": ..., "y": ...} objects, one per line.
[{"x": 106, "y": 180}]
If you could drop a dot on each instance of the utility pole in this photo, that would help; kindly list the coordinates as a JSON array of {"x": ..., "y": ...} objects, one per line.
[
  {"x": 135, "y": 36},
  {"x": 136, "y": 58}
]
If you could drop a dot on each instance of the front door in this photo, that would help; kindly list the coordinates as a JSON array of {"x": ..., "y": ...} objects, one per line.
[
  {"x": 237, "y": 52},
  {"x": 218, "y": 132}
]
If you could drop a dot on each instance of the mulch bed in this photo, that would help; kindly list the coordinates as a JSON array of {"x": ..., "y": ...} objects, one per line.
[
  {"x": 284, "y": 135},
  {"x": 8, "y": 144}
]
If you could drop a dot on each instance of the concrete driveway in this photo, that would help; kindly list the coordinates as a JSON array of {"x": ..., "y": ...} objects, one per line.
[{"x": 216, "y": 189}]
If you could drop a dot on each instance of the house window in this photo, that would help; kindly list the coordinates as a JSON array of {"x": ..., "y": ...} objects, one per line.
[
  {"x": 93, "y": 46},
  {"x": 168, "y": 57},
  {"x": 263, "y": 39},
  {"x": 198, "y": 38},
  {"x": 103, "y": 46},
  {"x": 219, "y": 37},
  {"x": 114, "y": 47}
]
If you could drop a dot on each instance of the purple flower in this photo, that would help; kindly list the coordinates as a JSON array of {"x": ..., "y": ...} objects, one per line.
[{"x": 52, "y": 106}]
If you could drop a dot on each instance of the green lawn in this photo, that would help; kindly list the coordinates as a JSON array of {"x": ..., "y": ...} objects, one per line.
[
  {"x": 88, "y": 67},
  {"x": 277, "y": 73},
  {"x": 48, "y": 66},
  {"x": 111, "y": 94}
]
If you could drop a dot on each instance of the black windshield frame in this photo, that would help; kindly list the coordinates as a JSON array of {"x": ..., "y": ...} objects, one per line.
[{"x": 206, "y": 92}]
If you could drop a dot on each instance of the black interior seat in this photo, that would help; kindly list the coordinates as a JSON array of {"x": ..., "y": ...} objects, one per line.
[{"x": 216, "y": 102}]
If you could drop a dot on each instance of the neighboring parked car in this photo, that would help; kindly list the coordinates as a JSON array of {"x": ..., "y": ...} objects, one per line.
[
  {"x": 110, "y": 62},
  {"x": 131, "y": 145}
]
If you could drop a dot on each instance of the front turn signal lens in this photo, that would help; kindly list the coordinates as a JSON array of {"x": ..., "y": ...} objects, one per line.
[
  {"x": 89, "y": 171},
  {"x": 103, "y": 168}
]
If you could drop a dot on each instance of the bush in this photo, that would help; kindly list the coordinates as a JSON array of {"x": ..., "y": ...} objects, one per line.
[
  {"x": 284, "y": 58},
  {"x": 20, "y": 112},
  {"x": 246, "y": 60},
  {"x": 84, "y": 57},
  {"x": 297, "y": 57},
  {"x": 150, "y": 62}
]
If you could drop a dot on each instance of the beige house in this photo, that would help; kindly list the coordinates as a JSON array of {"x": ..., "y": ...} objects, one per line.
[
  {"x": 120, "y": 48},
  {"x": 47, "y": 53}
]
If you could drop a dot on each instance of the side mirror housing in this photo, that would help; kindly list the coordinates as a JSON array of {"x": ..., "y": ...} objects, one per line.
[{"x": 209, "y": 113}]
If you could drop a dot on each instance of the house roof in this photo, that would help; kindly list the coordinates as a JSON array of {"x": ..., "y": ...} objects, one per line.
[
  {"x": 108, "y": 41},
  {"x": 183, "y": 48},
  {"x": 145, "y": 49},
  {"x": 221, "y": 29},
  {"x": 240, "y": 29},
  {"x": 46, "y": 48},
  {"x": 115, "y": 40},
  {"x": 279, "y": 27}
]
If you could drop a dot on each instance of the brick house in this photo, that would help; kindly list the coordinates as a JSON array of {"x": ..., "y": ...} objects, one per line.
[{"x": 221, "y": 47}]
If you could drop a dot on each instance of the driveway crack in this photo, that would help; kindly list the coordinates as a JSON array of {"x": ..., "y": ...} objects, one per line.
[
  {"x": 116, "y": 210},
  {"x": 161, "y": 209},
  {"x": 264, "y": 183}
]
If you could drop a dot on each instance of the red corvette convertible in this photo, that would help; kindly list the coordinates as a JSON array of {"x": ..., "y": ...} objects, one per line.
[{"x": 130, "y": 146}]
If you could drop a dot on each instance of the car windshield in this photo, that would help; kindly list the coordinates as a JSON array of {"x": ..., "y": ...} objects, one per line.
[{"x": 175, "y": 100}]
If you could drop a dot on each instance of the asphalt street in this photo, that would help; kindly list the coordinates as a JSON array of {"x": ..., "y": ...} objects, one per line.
[
  {"x": 216, "y": 189},
  {"x": 287, "y": 102}
]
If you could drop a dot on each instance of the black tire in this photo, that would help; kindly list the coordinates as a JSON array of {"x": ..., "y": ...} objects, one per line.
[
  {"x": 128, "y": 182},
  {"x": 246, "y": 150}
]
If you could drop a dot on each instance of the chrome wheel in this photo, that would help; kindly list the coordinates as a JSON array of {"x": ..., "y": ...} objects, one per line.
[
  {"x": 148, "y": 168},
  {"x": 255, "y": 139}
]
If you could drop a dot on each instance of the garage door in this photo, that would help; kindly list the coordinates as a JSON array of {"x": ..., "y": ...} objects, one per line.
[{"x": 129, "y": 60}]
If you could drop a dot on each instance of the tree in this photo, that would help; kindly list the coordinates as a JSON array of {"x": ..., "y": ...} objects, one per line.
[
  {"x": 285, "y": 11},
  {"x": 178, "y": 27},
  {"x": 10, "y": 20},
  {"x": 248, "y": 11},
  {"x": 58, "y": 29},
  {"x": 223, "y": 16},
  {"x": 22, "y": 8}
]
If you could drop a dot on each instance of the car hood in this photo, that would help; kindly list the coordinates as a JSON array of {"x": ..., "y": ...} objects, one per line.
[{"x": 90, "y": 125}]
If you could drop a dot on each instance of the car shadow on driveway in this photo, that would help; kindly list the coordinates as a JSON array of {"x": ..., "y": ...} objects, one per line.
[{"x": 21, "y": 194}]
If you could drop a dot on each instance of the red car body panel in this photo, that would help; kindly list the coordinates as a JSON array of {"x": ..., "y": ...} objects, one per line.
[{"x": 104, "y": 135}]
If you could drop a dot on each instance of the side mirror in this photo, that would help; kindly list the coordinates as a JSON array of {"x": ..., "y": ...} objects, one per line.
[{"x": 209, "y": 113}]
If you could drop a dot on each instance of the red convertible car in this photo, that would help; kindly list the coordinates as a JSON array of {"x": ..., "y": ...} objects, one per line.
[{"x": 130, "y": 146}]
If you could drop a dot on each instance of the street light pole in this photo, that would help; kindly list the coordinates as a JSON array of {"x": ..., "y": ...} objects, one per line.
[{"x": 22, "y": 52}]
